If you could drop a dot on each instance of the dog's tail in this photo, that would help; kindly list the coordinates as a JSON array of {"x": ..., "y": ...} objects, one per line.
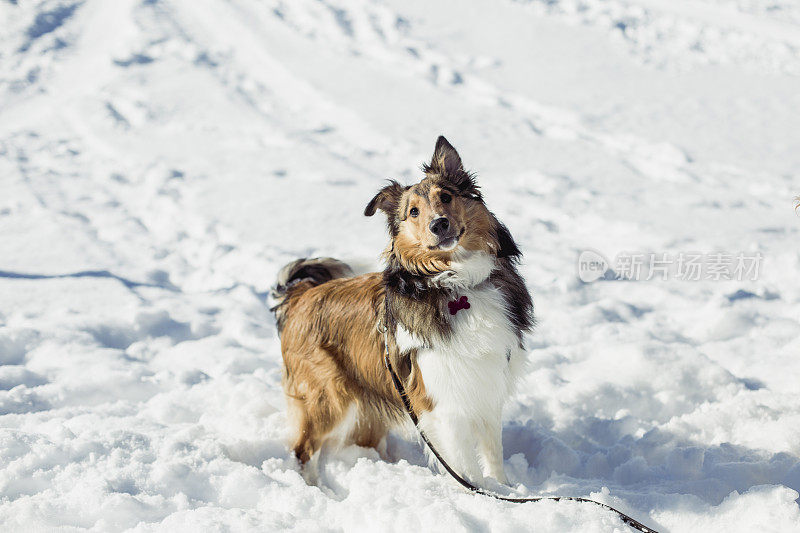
[{"x": 316, "y": 271}]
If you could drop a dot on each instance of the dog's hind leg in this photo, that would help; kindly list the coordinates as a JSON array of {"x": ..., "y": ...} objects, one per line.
[
  {"x": 307, "y": 441},
  {"x": 314, "y": 417},
  {"x": 307, "y": 444},
  {"x": 370, "y": 431}
]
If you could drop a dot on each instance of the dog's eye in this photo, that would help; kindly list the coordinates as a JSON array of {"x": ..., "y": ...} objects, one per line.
[
  {"x": 414, "y": 212},
  {"x": 445, "y": 198}
]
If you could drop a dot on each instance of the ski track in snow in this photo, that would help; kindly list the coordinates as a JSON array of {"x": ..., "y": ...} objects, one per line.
[{"x": 162, "y": 159}]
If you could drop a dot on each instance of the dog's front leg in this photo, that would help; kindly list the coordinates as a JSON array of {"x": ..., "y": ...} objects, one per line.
[
  {"x": 454, "y": 437},
  {"x": 490, "y": 446}
]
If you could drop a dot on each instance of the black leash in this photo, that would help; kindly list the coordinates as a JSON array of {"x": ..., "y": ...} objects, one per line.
[{"x": 401, "y": 390}]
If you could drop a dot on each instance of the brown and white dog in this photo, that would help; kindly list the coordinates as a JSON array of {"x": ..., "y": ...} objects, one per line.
[{"x": 457, "y": 313}]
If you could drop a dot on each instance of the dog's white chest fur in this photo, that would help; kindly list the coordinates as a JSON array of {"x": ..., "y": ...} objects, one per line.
[
  {"x": 479, "y": 361},
  {"x": 471, "y": 372}
]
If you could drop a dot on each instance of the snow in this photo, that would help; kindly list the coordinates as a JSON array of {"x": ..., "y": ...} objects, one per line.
[{"x": 160, "y": 160}]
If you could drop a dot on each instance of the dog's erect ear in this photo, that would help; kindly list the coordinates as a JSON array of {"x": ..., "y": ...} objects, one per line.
[
  {"x": 447, "y": 163},
  {"x": 386, "y": 200},
  {"x": 445, "y": 158}
]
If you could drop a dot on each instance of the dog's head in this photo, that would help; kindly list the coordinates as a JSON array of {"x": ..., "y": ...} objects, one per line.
[{"x": 440, "y": 216}]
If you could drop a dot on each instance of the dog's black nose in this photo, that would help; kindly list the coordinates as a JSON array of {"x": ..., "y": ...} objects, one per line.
[{"x": 439, "y": 225}]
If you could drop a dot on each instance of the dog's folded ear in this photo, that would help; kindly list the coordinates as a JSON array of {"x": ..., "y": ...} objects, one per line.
[
  {"x": 506, "y": 247},
  {"x": 387, "y": 199}
]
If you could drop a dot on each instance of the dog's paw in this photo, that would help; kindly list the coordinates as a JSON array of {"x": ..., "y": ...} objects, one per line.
[
  {"x": 501, "y": 488},
  {"x": 448, "y": 277}
]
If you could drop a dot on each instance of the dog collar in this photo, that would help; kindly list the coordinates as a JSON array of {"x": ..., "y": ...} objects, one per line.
[{"x": 457, "y": 305}]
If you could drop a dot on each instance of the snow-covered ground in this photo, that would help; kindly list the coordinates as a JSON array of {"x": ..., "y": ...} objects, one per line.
[{"x": 160, "y": 160}]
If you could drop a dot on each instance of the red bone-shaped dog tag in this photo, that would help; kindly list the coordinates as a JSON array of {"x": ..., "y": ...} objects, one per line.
[{"x": 456, "y": 305}]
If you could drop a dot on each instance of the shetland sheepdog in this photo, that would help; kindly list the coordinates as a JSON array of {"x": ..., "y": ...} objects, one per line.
[{"x": 456, "y": 310}]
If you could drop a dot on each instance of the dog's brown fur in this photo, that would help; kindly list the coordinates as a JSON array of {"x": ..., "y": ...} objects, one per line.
[{"x": 333, "y": 359}]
